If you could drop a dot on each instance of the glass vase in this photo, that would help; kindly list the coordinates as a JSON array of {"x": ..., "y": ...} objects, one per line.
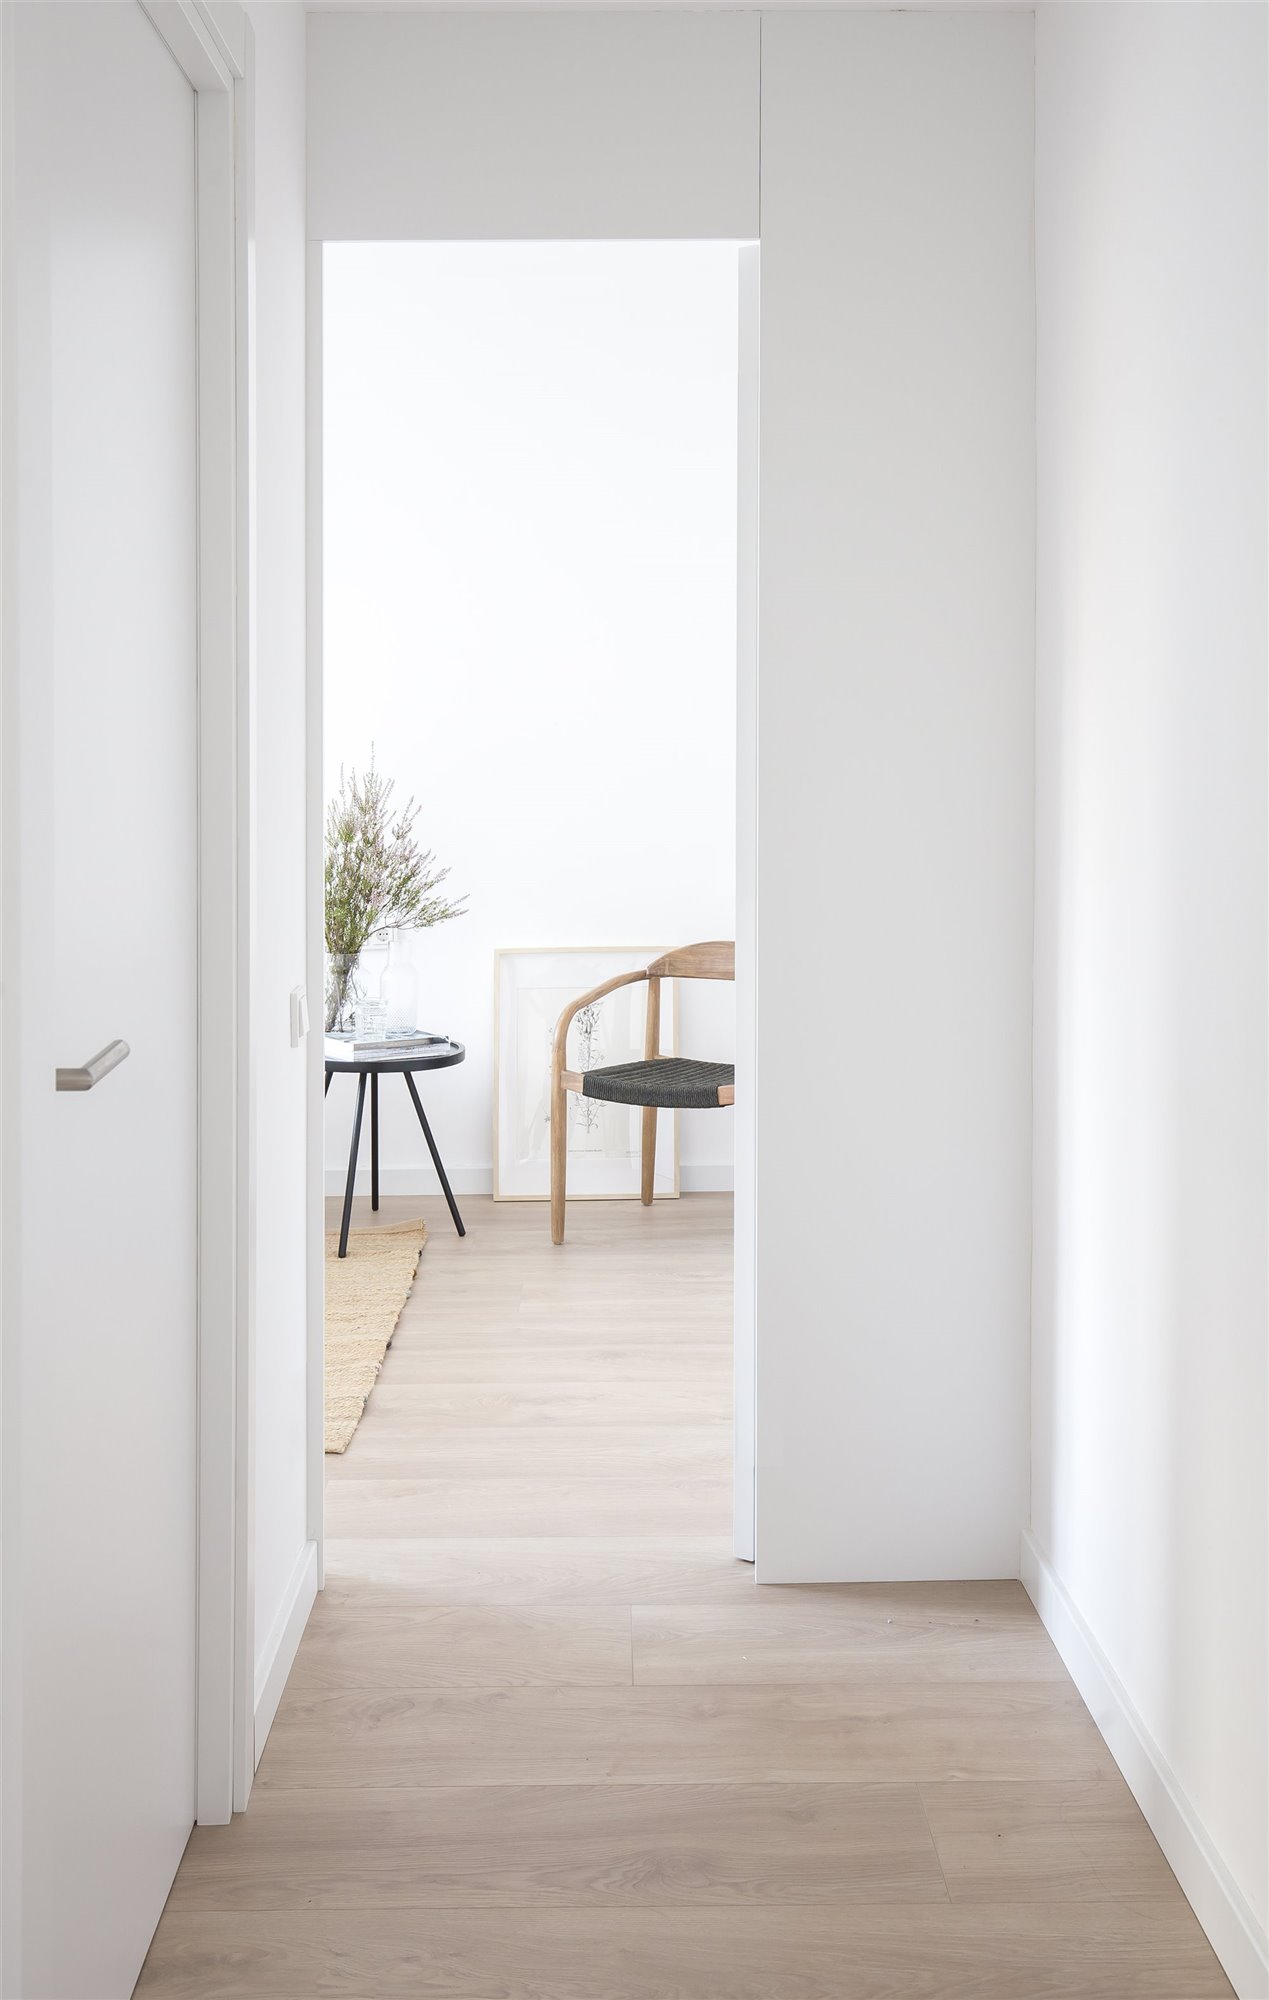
[
  {"x": 342, "y": 992},
  {"x": 399, "y": 988}
]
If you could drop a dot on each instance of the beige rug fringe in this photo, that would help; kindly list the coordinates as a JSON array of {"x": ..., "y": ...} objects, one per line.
[{"x": 365, "y": 1292}]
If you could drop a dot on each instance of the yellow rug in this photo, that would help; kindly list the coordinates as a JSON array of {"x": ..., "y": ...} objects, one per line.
[{"x": 365, "y": 1292}]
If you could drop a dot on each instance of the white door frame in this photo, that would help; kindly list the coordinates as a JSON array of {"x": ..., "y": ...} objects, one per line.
[
  {"x": 744, "y": 1531},
  {"x": 315, "y": 915},
  {"x": 213, "y": 47},
  {"x": 211, "y": 41}
]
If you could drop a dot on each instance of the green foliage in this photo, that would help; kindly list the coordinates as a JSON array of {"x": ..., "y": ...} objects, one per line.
[{"x": 376, "y": 878}]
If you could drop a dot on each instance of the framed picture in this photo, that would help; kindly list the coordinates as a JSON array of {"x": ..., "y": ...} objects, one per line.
[{"x": 531, "y": 990}]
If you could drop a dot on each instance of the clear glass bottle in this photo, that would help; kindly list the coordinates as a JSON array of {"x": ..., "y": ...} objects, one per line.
[{"x": 399, "y": 987}]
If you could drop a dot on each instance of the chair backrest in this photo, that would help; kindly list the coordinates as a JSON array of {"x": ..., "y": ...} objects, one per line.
[{"x": 716, "y": 960}]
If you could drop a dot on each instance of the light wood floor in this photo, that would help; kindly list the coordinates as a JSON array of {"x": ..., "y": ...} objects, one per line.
[{"x": 545, "y": 1740}]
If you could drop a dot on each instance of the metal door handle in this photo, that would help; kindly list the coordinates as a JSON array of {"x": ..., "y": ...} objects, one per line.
[{"x": 94, "y": 1069}]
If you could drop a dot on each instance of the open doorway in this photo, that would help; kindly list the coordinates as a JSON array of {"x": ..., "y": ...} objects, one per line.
[{"x": 532, "y": 465}]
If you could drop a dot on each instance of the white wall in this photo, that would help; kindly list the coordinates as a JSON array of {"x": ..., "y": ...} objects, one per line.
[
  {"x": 283, "y": 1556},
  {"x": 530, "y": 612},
  {"x": 895, "y": 794},
  {"x": 1149, "y": 1500},
  {"x": 895, "y": 685},
  {"x": 581, "y": 125}
]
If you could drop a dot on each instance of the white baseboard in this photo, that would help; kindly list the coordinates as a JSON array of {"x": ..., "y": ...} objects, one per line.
[
  {"x": 693, "y": 1179},
  {"x": 1218, "y": 1903},
  {"x": 278, "y": 1656}
]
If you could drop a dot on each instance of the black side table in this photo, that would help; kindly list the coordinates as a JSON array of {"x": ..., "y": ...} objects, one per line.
[{"x": 342, "y": 1060}]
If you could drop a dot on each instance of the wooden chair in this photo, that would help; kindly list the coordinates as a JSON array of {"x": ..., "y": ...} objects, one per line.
[{"x": 657, "y": 1083}]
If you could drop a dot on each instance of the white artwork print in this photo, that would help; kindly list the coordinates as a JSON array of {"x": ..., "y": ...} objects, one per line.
[
  {"x": 604, "y": 1140},
  {"x": 607, "y": 1031},
  {"x": 588, "y": 1032}
]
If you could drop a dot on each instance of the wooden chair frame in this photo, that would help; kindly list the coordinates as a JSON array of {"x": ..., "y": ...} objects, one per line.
[{"x": 715, "y": 960}]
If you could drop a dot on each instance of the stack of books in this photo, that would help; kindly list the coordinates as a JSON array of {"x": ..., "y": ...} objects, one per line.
[
  {"x": 400, "y": 1041},
  {"x": 404, "y": 1041}
]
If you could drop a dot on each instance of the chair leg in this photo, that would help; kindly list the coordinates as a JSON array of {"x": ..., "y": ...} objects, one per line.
[
  {"x": 649, "y": 1153},
  {"x": 651, "y": 1049},
  {"x": 559, "y": 1159}
]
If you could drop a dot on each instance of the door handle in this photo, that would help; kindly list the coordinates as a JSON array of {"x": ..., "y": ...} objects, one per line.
[{"x": 94, "y": 1069}]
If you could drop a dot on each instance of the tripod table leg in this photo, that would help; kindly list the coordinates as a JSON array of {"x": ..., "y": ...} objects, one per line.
[
  {"x": 374, "y": 1138},
  {"x": 437, "y": 1162},
  {"x": 352, "y": 1165}
]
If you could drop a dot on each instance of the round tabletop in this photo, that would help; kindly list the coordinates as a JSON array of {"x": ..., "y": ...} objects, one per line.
[{"x": 343, "y": 1059}]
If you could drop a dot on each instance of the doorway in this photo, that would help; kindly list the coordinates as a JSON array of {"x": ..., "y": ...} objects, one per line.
[{"x": 533, "y": 604}]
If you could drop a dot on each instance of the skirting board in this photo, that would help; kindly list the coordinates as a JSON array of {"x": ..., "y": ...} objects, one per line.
[
  {"x": 278, "y": 1656},
  {"x": 1215, "y": 1897},
  {"x": 693, "y": 1179}
]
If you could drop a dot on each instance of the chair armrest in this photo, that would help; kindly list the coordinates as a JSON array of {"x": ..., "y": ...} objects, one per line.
[{"x": 562, "y": 1026}]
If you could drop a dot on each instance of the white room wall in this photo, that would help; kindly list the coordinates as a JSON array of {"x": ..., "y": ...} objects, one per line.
[
  {"x": 529, "y": 539},
  {"x": 284, "y": 1558},
  {"x": 1148, "y": 1525},
  {"x": 895, "y": 794}
]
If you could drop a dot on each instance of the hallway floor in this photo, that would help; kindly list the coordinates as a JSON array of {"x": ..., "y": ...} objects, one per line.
[{"x": 546, "y": 1740}]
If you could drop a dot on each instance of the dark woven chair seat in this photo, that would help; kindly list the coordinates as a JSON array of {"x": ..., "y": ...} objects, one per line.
[{"x": 672, "y": 1083}]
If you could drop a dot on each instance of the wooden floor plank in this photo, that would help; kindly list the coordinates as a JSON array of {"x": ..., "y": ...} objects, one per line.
[
  {"x": 535, "y": 1570},
  {"x": 481, "y": 1646},
  {"x": 384, "y": 1448},
  {"x": 661, "y": 1400},
  {"x": 864, "y": 1733},
  {"x": 583, "y": 1329},
  {"x": 535, "y": 1372},
  {"x": 946, "y": 1632},
  {"x": 922, "y": 1951},
  {"x": 567, "y": 1845},
  {"x": 1040, "y": 1842},
  {"x": 484, "y": 1505}
]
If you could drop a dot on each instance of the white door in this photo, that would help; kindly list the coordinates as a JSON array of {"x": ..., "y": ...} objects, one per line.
[{"x": 100, "y": 434}]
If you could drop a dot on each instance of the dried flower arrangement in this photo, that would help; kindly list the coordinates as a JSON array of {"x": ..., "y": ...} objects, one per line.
[{"x": 377, "y": 880}]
